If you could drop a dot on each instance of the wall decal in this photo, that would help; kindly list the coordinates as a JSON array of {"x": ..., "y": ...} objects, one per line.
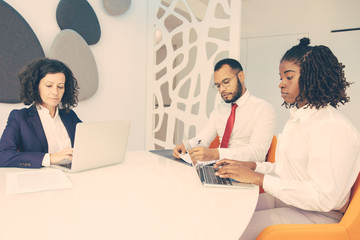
[
  {"x": 116, "y": 7},
  {"x": 18, "y": 46},
  {"x": 79, "y": 16},
  {"x": 70, "y": 48}
]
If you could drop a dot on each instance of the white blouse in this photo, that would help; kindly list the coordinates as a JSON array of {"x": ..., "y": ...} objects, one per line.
[
  {"x": 317, "y": 160},
  {"x": 56, "y": 135}
]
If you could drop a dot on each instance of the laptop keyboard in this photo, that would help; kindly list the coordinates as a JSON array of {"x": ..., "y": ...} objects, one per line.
[
  {"x": 207, "y": 175},
  {"x": 66, "y": 165}
]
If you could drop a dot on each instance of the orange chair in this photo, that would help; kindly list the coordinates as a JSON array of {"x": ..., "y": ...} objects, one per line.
[
  {"x": 215, "y": 143},
  {"x": 270, "y": 156},
  {"x": 347, "y": 229}
]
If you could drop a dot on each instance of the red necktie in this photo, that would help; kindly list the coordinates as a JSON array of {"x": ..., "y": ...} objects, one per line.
[{"x": 229, "y": 127}]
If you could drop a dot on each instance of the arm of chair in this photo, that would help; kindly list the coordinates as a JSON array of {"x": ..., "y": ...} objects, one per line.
[{"x": 304, "y": 231}]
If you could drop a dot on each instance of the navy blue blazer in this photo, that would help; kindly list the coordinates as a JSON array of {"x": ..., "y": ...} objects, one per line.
[{"x": 23, "y": 142}]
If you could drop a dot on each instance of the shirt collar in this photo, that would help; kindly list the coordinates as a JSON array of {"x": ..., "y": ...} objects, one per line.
[
  {"x": 45, "y": 112},
  {"x": 302, "y": 114},
  {"x": 243, "y": 99}
]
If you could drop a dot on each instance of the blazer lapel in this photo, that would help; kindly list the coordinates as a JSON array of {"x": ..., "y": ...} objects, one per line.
[{"x": 38, "y": 128}]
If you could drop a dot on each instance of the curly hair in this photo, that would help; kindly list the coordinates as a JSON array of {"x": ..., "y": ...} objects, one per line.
[
  {"x": 322, "y": 79},
  {"x": 30, "y": 78}
]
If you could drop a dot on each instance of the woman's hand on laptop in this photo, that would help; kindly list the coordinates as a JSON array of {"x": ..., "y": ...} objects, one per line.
[
  {"x": 55, "y": 158},
  {"x": 239, "y": 171}
]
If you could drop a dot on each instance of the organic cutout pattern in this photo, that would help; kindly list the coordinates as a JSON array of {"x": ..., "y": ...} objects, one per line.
[{"x": 190, "y": 37}]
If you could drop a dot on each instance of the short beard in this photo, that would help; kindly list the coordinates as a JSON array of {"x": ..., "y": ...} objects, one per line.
[{"x": 238, "y": 92}]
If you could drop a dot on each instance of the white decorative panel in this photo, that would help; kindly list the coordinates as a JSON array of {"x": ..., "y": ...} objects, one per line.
[{"x": 185, "y": 40}]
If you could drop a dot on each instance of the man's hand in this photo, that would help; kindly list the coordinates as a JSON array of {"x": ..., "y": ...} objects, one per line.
[
  {"x": 239, "y": 171},
  {"x": 179, "y": 149},
  {"x": 203, "y": 154}
]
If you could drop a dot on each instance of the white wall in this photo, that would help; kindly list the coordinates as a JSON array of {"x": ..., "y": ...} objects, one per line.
[
  {"x": 269, "y": 28},
  {"x": 120, "y": 56}
]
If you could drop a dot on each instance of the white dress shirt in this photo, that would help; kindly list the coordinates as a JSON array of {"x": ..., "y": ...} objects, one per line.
[
  {"x": 252, "y": 132},
  {"x": 56, "y": 135},
  {"x": 317, "y": 160}
]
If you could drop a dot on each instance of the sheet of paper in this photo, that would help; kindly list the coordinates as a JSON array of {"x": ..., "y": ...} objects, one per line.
[
  {"x": 36, "y": 180},
  {"x": 186, "y": 157}
]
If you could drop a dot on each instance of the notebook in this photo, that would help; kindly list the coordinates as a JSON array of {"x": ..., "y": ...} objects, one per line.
[
  {"x": 98, "y": 144},
  {"x": 168, "y": 153},
  {"x": 207, "y": 175}
]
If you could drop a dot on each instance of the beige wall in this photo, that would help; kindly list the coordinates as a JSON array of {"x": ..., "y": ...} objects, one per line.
[{"x": 269, "y": 28}]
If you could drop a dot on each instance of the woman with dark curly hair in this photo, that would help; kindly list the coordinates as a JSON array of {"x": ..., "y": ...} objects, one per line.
[
  {"x": 42, "y": 134},
  {"x": 317, "y": 158}
]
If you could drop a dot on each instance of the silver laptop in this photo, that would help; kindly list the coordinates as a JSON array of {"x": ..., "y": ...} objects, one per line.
[
  {"x": 207, "y": 175},
  {"x": 98, "y": 144}
]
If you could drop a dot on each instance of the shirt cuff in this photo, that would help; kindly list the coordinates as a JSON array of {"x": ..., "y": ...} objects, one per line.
[
  {"x": 222, "y": 153},
  {"x": 260, "y": 168},
  {"x": 229, "y": 154},
  {"x": 46, "y": 160},
  {"x": 265, "y": 168},
  {"x": 272, "y": 185}
]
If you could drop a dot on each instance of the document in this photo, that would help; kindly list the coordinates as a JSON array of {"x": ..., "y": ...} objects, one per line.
[
  {"x": 186, "y": 157},
  {"x": 36, "y": 180}
]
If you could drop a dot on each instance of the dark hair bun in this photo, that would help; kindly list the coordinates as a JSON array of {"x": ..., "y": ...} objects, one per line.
[{"x": 304, "y": 42}]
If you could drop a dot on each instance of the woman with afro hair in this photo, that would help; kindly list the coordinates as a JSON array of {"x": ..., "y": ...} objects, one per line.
[{"x": 317, "y": 157}]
